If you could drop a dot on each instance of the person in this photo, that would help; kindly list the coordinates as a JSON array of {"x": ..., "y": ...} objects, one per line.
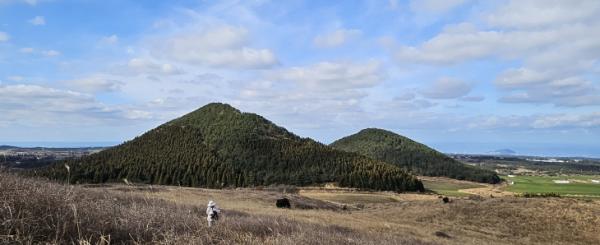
[{"x": 212, "y": 213}]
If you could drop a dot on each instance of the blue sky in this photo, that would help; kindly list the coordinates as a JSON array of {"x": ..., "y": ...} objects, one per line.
[{"x": 460, "y": 75}]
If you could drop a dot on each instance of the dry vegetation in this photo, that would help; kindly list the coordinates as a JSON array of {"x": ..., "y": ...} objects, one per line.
[{"x": 36, "y": 211}]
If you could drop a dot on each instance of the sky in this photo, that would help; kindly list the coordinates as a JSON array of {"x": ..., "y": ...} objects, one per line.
[{"x": 463, "y": 76}]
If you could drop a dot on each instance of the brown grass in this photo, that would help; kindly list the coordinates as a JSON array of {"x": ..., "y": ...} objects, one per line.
[{"x": 37, "y": 211}]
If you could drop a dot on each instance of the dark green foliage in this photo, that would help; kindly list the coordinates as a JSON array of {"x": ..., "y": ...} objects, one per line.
[
  {"x": 218, "y": 146},
  {"x": 387, "y": 146}
]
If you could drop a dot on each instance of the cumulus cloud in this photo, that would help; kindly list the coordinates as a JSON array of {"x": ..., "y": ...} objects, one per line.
[
  {"x": 145, "y": 66},
  {"x": 447, "y": 88},
  {"x": 4, "y": 36},
  {"x": 555, "y": 41},
  {"x": 305, "y": 95},
  {"x": 23, "y": 96},
  {"x": 400, "y": 103},
  {"x": 205, "y": 78},
  {"x": 533, "y": 86},
  {"x": 586, "y": 120},
  {"x": 38, "y": 21},
  {"x": 331, "y": 76},
  {"x": 336, "y": 38},
  {"x": 540, "y": 13},
  {"x": 225, "y": 47},
  {"x": 463, "y": 42},
  {"x": 589, "y": 120},
  {"x": 38, "y": 105},
  {"x": 94, "y": 84}
]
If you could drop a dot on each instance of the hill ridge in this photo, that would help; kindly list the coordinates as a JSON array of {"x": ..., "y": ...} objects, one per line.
[
  {"x": 219, "y": 146},
  {"x": 387, "y": 146}
]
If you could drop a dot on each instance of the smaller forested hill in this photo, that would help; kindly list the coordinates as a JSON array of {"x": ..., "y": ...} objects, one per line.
[
  {"x": 219, "y": 146},
  {"x": 413, "y": 156}
]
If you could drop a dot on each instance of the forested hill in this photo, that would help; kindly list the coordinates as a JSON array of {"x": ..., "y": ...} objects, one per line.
[
  {"x": 390, "y": 147},
  {"x": 219, "y": 146}
]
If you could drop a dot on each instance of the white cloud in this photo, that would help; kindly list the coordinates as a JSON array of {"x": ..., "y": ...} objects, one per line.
[
  {"x": 460, "y": 43},
  {"x": 305, "y": 95},
  {"x": 336, "y": 38},
  {"x": 567, "y": 121},
  {"x": 29, "y": 96},
  {"x": 555, "y": 41},
  {"x": 112, "y": 39},
  {"x": 51, "y": 53},
  {"x": 225, "y": 47},
  {"x": 94, "y": 84},
  {"x": 24, "y": 104},
  {"x": 406, "y": 104},
  {"x": 327, "y": 76},
  {"x": 561, "y": 89},
  {"x": 26, "y": 50},
  {"x": 38, "y": 21},
  {"x": 447, "y": 88},
  {"x": 575, "y": 120},
  {"x": 143, "y": 66},
  {"x": 542, "y": 13},
  {"x": 521, "y": 77},
  {"x": 4, "y": 36}
]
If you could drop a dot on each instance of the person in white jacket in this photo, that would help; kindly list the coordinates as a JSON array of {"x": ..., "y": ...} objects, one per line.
[{"x": 212, "y": 213}]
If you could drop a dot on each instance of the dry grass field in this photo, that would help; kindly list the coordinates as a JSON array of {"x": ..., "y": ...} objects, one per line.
[{"x": 37, "y": 211}]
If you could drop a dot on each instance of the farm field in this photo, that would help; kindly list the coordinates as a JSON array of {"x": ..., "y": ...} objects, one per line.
[{"x": 578, "y": 185}]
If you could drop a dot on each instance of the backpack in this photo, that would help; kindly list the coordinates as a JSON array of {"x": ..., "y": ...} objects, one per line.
[{"x": 213, "y": 214}]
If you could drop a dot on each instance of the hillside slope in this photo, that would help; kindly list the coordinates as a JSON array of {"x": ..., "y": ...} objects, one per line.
[
  {"x": 390, "y": 147},
  {"x": 219, "y": 146}
]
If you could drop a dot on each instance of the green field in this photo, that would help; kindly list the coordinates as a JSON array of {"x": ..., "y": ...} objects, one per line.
[
  {"x": 448, "y": 188},
  {"x": 580, "y": 185}
]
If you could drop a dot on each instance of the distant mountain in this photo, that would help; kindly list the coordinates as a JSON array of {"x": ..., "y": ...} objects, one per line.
[
  {"x": 390, "y": 147},
  {"x": 503, "y": 152},
  {"x": 219, "y": 146}
]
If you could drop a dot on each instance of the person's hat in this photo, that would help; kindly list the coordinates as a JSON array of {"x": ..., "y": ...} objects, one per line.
[{"x": 211, "y": 203}]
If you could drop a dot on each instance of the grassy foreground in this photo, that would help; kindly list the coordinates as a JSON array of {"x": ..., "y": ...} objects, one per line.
[
  {"x": 579, "y": 185},
  {"x": 37, "y": 211}
]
